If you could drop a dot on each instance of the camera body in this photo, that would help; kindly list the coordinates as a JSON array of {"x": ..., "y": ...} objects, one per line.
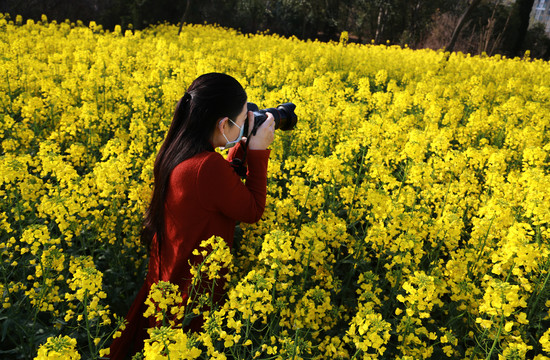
[{"x": 285, "y": 118}]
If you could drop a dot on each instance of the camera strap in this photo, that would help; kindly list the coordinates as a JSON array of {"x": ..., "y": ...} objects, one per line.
[{"x": 239, "y": 164}]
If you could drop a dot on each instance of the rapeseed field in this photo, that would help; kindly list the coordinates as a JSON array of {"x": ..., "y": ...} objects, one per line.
[{"x": 407, "y": 214}]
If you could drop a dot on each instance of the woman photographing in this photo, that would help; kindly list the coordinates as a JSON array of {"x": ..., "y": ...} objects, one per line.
[{"x": 197, "y": 193}]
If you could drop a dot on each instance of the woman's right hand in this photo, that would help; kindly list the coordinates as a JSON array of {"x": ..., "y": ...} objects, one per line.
[{"x": 264, "y": 134}]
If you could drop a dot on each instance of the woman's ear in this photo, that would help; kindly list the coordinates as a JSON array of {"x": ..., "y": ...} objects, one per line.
[{"x": 222, "y": 123}]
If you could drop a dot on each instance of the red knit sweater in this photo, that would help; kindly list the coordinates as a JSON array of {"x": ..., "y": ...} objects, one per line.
[{"x": 205, "y": 197}]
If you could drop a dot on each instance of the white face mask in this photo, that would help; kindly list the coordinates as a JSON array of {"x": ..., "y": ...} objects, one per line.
[{"x": 230, "y": 144}]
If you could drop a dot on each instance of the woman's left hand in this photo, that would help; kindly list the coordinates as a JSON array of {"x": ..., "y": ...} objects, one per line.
[{"x": 264, "y": 134}]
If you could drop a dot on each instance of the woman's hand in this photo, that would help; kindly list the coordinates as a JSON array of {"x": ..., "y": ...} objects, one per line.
[{"x": 264, "y": 134}]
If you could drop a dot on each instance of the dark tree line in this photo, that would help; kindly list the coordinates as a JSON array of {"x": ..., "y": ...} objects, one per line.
[{"x": 474, "y": 26}]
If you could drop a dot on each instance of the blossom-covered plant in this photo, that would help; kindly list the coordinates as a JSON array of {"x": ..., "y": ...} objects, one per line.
[{"x": 408, "y": 213}]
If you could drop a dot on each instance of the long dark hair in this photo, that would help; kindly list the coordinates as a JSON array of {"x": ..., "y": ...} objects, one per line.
[{"x": 210, "y": 97}]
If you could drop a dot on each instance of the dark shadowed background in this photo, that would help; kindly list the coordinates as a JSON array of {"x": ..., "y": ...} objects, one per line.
[{"x": 474, "y": 26}]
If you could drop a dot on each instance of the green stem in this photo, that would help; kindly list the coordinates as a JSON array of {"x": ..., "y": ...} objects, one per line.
[
  {"x": 212, "y": 296},
  {"x": 295, "y": 345},
  {"x": 405, "y": 173},
  {"x": 193, "y": 293},
  {"x": 534, "y": 306},
  {"x": 482, "y": 247},
  {"x": 496, "y": 339},
  {"x": 90, "y": 343},
  {"x": 18, "y": 200},
  {"x": 304, "y": 208},
  {"x": 104, "y": 88},
  {"x": 247, "y": 333},
  {"x": 166, "y": 348},
  {"x": 9, "y": 92},
  {"x": 357, "y": 181}
]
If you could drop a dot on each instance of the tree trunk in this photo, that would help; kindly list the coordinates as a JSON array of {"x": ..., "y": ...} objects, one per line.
[
  {"x": 498, "y": 41},
  {"x": 524, "y": 12},
  {"x": 460, "y": 24},
  {"x": 185, "y": 15},
  {"x": 414, "y": 26},
  {"x": 380, "y": 23}
]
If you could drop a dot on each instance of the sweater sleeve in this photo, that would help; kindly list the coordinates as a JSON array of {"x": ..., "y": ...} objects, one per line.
[{"x": 221, "y": 189}]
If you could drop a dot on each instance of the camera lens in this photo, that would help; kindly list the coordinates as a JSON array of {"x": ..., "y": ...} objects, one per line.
[{"x": 285, "y": 118}]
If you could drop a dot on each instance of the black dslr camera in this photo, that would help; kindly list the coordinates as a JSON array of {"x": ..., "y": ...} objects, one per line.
[{"x": 285, "y": 118}]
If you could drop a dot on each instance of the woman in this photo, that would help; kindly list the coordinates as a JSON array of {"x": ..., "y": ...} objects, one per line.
[{"x": 197, "y": 193}]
